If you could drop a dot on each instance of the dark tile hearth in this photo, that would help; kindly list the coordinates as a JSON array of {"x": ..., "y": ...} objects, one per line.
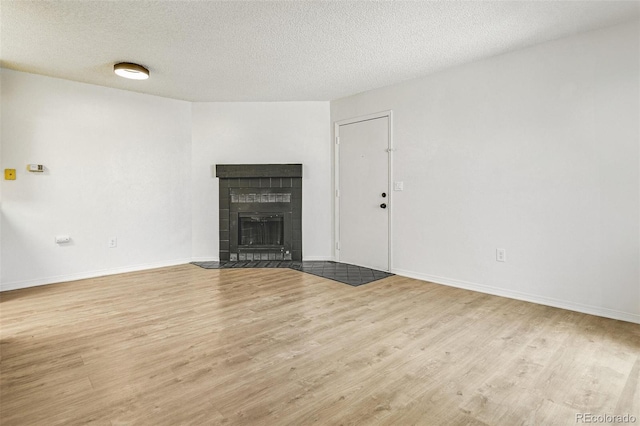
[{"x": 341, "y": 272}]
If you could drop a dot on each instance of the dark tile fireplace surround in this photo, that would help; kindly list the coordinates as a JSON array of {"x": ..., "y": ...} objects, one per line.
[{"x": 260, "y": 209}]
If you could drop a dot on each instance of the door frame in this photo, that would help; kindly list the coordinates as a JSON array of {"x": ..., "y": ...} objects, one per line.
[{"x": 336, "y": 167}]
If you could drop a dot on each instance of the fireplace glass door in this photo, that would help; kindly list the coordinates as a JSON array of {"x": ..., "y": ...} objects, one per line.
[{"x": 261, "y": 230}]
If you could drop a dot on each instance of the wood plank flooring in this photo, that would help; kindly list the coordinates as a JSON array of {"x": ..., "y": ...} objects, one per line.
[{"x": 190, "y": 346}]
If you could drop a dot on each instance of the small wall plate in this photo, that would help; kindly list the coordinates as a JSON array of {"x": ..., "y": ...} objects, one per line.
[
  {"x": 38, "y": 168},
  {"x": 9, "y": 174}
]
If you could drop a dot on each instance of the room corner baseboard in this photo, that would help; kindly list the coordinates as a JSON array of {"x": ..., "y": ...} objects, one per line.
[
  {"x": 17, "y": 285},
  {"x": 526, "y": 297},
  {"x": 323, "y": 258},
  {"x": 205, "y": 259}
]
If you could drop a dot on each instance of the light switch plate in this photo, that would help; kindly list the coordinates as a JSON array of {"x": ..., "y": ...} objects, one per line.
[
  {"x": 9, "y": 174},
  {"x": 398, "y": 186}
]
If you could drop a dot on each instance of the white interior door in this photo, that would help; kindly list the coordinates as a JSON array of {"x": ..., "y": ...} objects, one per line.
[{"x": 363, "y": 193}]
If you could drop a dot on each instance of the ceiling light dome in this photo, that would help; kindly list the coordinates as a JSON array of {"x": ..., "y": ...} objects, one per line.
[{"x": 130, "y": 70}]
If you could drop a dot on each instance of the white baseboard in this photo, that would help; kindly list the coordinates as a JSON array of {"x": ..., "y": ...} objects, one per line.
[
  {"x": 16, "y": 285},
  {"x": 205, "y": 259},
  {"x": 324, "y": 258},
  {"x": 541, "y": 300}
]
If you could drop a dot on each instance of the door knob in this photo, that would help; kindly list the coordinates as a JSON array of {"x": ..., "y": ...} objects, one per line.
[
  {"x": 384, "y": 195},
  {"x": 383, "y": 206}
]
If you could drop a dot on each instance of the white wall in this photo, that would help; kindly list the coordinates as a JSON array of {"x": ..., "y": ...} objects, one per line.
[
  {"x": 117, "y": 164},
  {"x": 126, "y": 165},
  {"x": 534, "y": 151},
  {"x": 258, "y": 132}
]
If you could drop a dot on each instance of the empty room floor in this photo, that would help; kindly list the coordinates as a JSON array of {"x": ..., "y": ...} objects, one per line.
[{"x": 186, "y": 345}]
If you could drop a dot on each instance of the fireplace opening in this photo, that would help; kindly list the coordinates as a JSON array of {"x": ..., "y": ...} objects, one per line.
[{"x": 261, "y": 230}]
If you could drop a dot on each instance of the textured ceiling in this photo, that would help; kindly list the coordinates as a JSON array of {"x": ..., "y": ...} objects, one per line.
[{"x": 278, "y": 51}]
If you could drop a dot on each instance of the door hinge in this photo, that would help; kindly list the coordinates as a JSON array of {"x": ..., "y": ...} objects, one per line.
[
  {"x": 337, "y": 245},
  {"x": 390, "y": 149},
  {"x": 337, "y": 192},
  {"x": 337, "y": 140}
]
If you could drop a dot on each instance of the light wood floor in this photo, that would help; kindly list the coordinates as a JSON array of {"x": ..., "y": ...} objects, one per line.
[{"x": 185, "y": 345}]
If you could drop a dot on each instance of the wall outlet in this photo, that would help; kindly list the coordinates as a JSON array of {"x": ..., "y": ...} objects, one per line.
[
  {"x": 501, "y": 255},
  {"x": 398, "y": 186},
  {"x": 113, "y": 242},
  {"x": 62, "y": 239}
]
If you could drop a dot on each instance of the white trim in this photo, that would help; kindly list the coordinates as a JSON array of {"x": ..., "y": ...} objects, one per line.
[
  {"x": 390, "y": 189},
  {"x": 527, "y": 297},
  {"x": 360, "y": 118},
  {"x": 336, "y": 165},
  {"x": 16, "y": 285},
  {"x": 322, "y": 258},
  {"x": 205, "y": 259}
]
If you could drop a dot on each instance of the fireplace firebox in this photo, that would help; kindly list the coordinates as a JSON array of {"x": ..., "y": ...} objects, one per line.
[
  {"x": 261, "y": 230},
  {"x": 260, "y": 211}
]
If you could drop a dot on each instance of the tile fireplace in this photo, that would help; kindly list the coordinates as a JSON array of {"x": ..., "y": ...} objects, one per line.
[{"x": 260, "y": 209}]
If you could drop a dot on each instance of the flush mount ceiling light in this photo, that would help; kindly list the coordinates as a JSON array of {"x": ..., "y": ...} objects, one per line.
[{"x": 130, "y": 70}]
